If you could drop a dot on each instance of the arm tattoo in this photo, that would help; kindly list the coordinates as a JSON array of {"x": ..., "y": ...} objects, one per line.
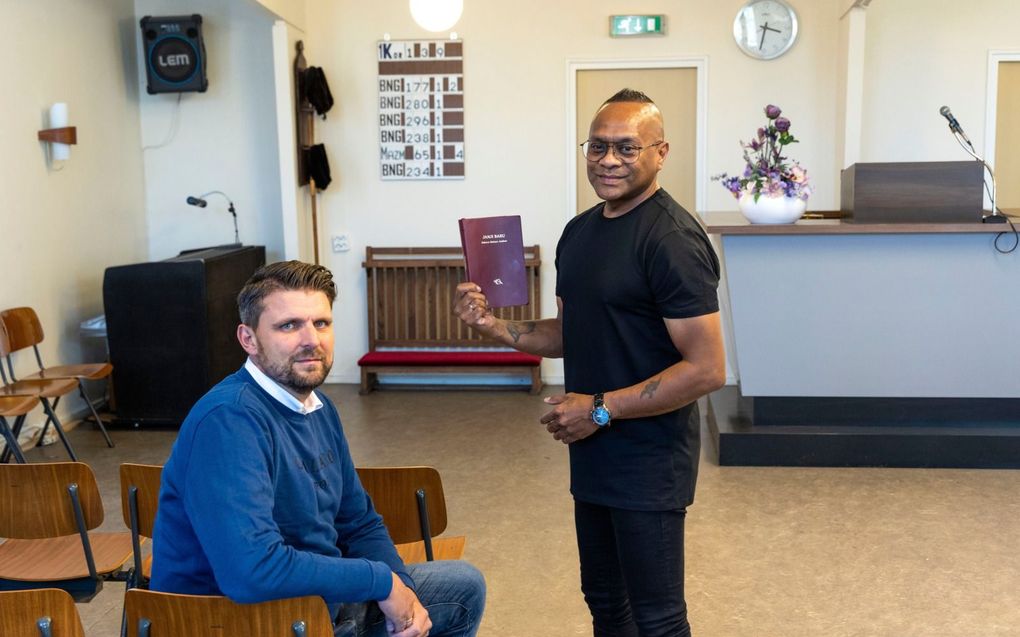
[
  {"x": 518, "y": 329},
  {"x": 649, "y": 390}
]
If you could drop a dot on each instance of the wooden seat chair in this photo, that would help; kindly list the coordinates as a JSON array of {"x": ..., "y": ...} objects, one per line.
[
  {"x": 139, "y": 499},
  {"x": 154, "y": 614},
  {"x": 43, "y": 389},
  {"x": 46, "y": 612},
  {"x": 17, "y": 407},
  {"x": 24, "y": 330},
  {"x": 413, "y": 507},
  {"x": 47, "y": 511}
]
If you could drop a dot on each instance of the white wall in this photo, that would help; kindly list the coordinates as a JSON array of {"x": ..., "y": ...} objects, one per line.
[
  {"x": 60, "y": 230},
  {"x": 516, "y": 121},
  {"x": 920, "y": 56},
  {"x": 226, "y": 138}
]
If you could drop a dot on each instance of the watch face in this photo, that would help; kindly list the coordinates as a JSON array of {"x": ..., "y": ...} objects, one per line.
[
  {"x": 600, "y": 415},
  {"x": 765, "y": 29}
]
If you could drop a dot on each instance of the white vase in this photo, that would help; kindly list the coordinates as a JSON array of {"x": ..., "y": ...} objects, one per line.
[{"x": 771, "y": 209}]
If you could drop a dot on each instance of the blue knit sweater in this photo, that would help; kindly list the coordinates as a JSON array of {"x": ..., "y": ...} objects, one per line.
[{"x": 260, "y": 502}]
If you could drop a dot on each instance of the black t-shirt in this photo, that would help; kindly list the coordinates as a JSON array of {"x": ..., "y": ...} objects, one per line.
[{"x": 618, "y": 279}]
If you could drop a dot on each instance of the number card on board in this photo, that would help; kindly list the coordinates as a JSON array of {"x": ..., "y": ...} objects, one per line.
[{"x": 421, "y": 109}]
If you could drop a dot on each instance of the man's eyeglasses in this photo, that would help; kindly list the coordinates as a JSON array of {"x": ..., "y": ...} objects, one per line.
[{"x": 626, "y": 152}]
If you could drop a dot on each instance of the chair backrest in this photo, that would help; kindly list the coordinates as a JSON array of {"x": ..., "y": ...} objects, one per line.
[
  {"x": 393, "y": 491},
  {"x": 22, "y": 611},
  {"x": 172, "y": 615},
  {"x": 145, "y": 478},
  {"x": 35, "y": 501},
  {"x": 23, "y": 328}
]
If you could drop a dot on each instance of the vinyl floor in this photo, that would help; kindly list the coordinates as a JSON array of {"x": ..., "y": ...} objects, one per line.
[{"x": 771, "y": 552}]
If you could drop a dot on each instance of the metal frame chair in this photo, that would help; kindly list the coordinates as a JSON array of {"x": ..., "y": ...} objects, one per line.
[
  {"x": 47, "y": 511},
  {"x": 139, "y": 499},
  {"x": 24, "y": 330},
  {"x": 413, "y": 507},
  {"x": 41, "y": 389},
  {"x": 17, "y": 407},
  {"x": 155, "y": 614},
  {"x": 46, "y": 612}
]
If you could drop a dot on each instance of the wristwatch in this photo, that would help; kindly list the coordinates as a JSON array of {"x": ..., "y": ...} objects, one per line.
[{"x": 600, "y": 414}]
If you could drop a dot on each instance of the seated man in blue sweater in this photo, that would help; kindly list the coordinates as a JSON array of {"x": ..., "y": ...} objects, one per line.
[{"x": 260, "y": 499}]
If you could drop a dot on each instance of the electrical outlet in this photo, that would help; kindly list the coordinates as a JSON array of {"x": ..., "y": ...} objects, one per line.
[{"x": 341, "y": 243}]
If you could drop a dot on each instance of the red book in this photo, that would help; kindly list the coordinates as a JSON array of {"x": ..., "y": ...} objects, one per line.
[{"x": 494, "y": 256}]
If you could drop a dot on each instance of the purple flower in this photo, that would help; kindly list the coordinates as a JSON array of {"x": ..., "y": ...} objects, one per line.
[{"x": 766, "y": 170}]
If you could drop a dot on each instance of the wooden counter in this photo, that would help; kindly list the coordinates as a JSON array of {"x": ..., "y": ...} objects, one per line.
[{"x": 731, "y": 223}]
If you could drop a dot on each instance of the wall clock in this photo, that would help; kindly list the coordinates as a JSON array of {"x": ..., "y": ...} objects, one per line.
[{"x": 765, "y": 29}]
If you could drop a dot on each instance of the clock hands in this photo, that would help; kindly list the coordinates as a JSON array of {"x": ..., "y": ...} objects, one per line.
[{"x": 765, "y": 28}]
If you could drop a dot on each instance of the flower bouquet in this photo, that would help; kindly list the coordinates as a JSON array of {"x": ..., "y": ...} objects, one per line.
[{"x": 772, "y": 188}]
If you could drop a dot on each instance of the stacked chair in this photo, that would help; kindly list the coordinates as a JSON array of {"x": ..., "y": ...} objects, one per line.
[
  {"x": 24, "y": 330},
  {"x": 41, "y": 389},
  {"x": 17, "y": 407}
]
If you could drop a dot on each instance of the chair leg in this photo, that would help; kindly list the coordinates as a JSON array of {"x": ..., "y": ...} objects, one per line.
[
  {"x": 56, "y": 424},
  {"x": 13, "y": 448},
  {"x": 95, "y": 414},
  {"x": 46, "y": 425}
]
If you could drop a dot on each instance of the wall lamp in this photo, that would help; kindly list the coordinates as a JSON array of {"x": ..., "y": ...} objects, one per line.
[
  {"x": 59, "y": 135},
  {"x": 436, "y": 15}
]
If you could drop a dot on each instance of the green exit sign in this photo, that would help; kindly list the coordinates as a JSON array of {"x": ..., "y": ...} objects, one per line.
[{"x": 632, "y": 25}]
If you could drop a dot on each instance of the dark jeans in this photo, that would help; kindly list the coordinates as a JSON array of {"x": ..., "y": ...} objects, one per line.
[
  {"x": 632, "y": 570},
  {"x": 452, "y": 591}
]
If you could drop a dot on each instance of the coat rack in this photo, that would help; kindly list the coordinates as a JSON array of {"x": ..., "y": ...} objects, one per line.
[{"x": 305, "y": 139}]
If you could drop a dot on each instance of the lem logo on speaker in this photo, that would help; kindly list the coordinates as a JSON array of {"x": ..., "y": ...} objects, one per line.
[{"x": 174, "y": 54}]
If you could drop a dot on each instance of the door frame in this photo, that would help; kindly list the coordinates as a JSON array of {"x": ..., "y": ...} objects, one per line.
[
  {"x": 992, "y": 102},
  {"x": 699, "y": 63}
]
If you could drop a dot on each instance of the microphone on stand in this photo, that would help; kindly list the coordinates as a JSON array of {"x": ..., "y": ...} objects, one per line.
[
  {"x": 200, "y": 202},
  {"x": 955, "y": 125},
  {"x": 961, "y": 137}
]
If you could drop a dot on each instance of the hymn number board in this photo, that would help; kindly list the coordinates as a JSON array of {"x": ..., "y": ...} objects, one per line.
[{"x": 421, "y": 109}]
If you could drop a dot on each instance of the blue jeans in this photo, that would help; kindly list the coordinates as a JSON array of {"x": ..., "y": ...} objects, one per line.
[
  {"x": 453, "y": 592},
  {"x": 632, "y": 570}
]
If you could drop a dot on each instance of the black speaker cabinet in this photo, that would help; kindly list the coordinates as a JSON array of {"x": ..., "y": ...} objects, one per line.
[
  {"x": 174, "y": 54},
  {"x": 171, "y": 329}
]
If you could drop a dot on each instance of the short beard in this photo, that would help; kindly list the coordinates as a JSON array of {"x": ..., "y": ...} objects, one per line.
[{"x": 285, "y": 374}]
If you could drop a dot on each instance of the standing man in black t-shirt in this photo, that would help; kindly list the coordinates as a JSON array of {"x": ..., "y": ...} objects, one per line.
[{"x": 638, "y": 329}]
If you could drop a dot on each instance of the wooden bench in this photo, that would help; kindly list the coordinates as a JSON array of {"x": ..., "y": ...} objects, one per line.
[{"x": 411, "y": 325}]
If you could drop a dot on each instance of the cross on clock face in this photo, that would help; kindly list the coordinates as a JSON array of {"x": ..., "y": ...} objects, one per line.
[{"x": 765, "y": 29}]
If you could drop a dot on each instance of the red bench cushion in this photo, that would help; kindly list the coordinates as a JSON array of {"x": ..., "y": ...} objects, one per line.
[{"x": 466, "y": 359}]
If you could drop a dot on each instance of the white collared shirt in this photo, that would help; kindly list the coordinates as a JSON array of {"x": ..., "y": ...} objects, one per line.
[{"x": 274, "y": 389}]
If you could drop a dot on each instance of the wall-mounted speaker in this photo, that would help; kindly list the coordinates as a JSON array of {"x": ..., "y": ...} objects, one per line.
[{"x": 174, "y": 54}]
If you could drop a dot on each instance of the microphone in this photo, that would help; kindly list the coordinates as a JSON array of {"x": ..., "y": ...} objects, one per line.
[
  {"x": 948, "y": 114},
  {"x": 202, "y": 203},
  {"x": 957, "y": 130},
  {"x": 954, "y": 125}
]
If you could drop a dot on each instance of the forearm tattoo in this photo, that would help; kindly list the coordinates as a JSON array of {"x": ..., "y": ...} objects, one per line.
[
  {"x": 518, "y": 329},
  {"x": 649, "y": 390}
]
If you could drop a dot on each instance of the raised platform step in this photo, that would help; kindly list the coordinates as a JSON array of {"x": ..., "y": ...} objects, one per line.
[{"x": 865, "y": 432}]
